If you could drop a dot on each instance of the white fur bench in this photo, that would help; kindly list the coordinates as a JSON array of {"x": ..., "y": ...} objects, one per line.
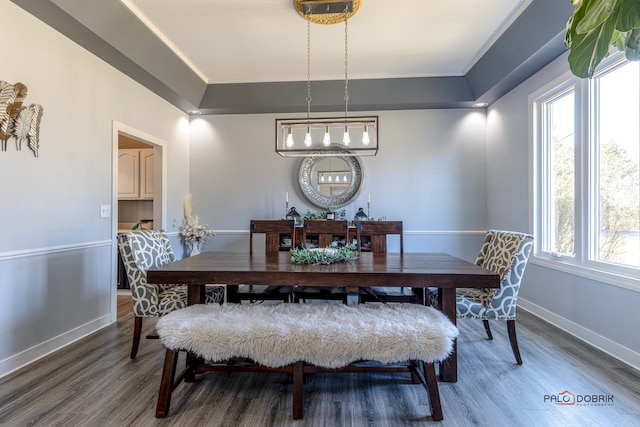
[{"x": 300, "y": 338}]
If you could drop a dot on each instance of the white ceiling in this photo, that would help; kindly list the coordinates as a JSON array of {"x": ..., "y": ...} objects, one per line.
[{"x": 233, "y": 41}]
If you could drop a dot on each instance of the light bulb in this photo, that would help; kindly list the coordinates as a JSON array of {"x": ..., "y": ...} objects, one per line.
[
  {"x": 346, "y": 139},
  {"x": 307, "y": 139},
  {"x": 345, "y": 178},
  {"x": 289, "y": 139},
  {"x": 322, "y": 178},
  {"x": 326, "y": 141},
  {"x": 330, "y": 178},
  {"x": 366, "y": 140}
]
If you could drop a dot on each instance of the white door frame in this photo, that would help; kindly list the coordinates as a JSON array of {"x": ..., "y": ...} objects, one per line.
[{"x": 159, "y": 194}]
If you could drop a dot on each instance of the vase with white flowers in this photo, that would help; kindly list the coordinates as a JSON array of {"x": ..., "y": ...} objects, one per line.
[{"x": 193, "y": 233}]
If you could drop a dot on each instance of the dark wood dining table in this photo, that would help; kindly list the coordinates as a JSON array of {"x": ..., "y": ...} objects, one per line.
[{"x": 416, "y": 270}]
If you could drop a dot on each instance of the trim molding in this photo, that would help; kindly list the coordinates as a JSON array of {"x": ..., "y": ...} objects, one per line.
[
  {"x": 26, "y": 253},
  {"x": 30, "y": 355},
  {"x": 406, "y": 232},
  {"x": 606, "y": 277},
  {"x": 604, "y": 344},
  {"x": 445, "y": 232}
]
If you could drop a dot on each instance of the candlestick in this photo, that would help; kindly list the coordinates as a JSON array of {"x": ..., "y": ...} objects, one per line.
[{"x": 368, "y": 209}]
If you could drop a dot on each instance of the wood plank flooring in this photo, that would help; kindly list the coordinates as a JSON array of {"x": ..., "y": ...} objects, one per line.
[
  {"x": 94, "y": 383},
  {"x": 124, "y": 304}
]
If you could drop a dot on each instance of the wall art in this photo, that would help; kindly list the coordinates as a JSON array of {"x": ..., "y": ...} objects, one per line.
[{"x": 16, "y": 120}]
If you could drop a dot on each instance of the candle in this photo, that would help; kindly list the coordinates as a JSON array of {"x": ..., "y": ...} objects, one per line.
[
  {"x": 369, "y": 199},
  {"x": 286, "y": 197}
]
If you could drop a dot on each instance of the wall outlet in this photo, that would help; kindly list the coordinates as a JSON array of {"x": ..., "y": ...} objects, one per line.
[{"x": 105, "y": 211}]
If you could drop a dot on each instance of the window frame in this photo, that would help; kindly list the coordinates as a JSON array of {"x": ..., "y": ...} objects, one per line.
[{"x": 584, "y": 262}]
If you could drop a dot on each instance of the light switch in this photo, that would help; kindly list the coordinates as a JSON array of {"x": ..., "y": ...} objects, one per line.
[{"x": 105, "y": 211}]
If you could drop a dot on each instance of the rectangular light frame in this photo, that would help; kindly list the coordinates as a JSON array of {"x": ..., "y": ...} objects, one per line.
[{"x": 317, "y": 127}]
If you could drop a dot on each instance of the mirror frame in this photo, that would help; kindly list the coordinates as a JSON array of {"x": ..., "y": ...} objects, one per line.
[{"x": 314, "y": 196}]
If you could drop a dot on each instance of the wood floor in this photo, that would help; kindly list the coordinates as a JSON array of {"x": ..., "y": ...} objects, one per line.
[
  {"x": 94, "y": 383},
  {"x": 124, "y": 304}
]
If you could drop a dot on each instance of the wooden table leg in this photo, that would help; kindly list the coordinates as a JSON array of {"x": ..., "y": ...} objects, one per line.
[
  {"x": 195, "y": 295},
  {"x": 449, "y": 366}
]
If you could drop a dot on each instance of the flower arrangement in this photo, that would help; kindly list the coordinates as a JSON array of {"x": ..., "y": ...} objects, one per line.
[{"x": 190, "y": 228}]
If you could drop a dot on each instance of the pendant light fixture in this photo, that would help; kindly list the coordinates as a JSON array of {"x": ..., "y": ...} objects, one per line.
[{"x": 312, "y": 137}]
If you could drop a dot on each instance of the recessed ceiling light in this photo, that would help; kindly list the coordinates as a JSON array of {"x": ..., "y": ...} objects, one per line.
[
  {"x": 194, "y": 112},
  {"x": 480, "y": 104}
]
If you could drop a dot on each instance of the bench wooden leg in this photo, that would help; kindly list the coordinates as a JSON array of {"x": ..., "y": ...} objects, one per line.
[
  {"x": 191, "y": 361},
  {"x": 166, "y": 384},
  {"x": 298, "y": 388},
  {"x": 415, "y": 366},
  {"x": 434, "y": 393}
]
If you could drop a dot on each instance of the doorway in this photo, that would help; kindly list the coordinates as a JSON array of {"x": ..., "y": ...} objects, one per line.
[
  {"x": 138, "y": 198},
  {"x": 136, "y": 178}
]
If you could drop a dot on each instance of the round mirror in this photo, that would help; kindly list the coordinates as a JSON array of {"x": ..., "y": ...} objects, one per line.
[{"x": 331, "y": 182}]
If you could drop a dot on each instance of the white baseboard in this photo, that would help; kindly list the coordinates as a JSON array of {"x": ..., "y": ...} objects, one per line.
[
  {"x": 604, "y": 344},
  {"x": 45, "y": 348}
]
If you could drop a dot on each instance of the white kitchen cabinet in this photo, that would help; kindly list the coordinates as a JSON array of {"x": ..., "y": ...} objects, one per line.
[
  {"x": 146, "y": 173},
  {"x": 135, "y": 173}
]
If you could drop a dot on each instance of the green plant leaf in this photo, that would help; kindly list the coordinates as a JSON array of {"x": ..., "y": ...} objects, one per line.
[
  {"x": 595, "y": 13},
  {"x": 574, "y": 20},
  {"x": 595, "y": 26},
  {"x": 632, "y": 45},
  {"x": 629, "y": 16},
  {"x": 589, "y": 49},
  {"x": 618, "y": 41}
]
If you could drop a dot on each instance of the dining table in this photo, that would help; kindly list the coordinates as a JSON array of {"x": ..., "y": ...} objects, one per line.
[{"x": 441, "y": 271}]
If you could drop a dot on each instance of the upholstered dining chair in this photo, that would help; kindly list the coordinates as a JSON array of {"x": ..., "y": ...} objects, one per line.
[
  {"x": 140, "y": 251},
  {"x": 505, "y": 253}
]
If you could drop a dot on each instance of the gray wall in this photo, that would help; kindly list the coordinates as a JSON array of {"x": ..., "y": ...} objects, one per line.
[
  {"x": 56, "y": 252},
  {"x": 598, "y": 311},
  {"x": 429, "y": 172}
]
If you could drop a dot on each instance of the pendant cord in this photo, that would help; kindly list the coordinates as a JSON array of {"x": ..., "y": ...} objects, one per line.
[
  {"x": 346, "y": 63},
  {"x": 308, "y": 69}
]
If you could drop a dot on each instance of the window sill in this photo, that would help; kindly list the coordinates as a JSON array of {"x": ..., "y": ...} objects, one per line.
[{"x": 615, "y": 279}]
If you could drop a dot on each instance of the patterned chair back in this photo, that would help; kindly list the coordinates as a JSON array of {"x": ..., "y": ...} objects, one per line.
[
  {"x": 140, "y": 251},
  {"x": 505, "y": 253}
]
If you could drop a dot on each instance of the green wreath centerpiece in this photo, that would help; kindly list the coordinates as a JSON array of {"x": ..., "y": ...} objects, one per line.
[{"x": 325, "y": 256}]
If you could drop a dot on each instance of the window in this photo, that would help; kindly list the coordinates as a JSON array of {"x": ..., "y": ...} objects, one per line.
[
  {"x": 559, "y": 178},
  {"x": 587, "y": 173},
  {"x": 616, "y": 176}
]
